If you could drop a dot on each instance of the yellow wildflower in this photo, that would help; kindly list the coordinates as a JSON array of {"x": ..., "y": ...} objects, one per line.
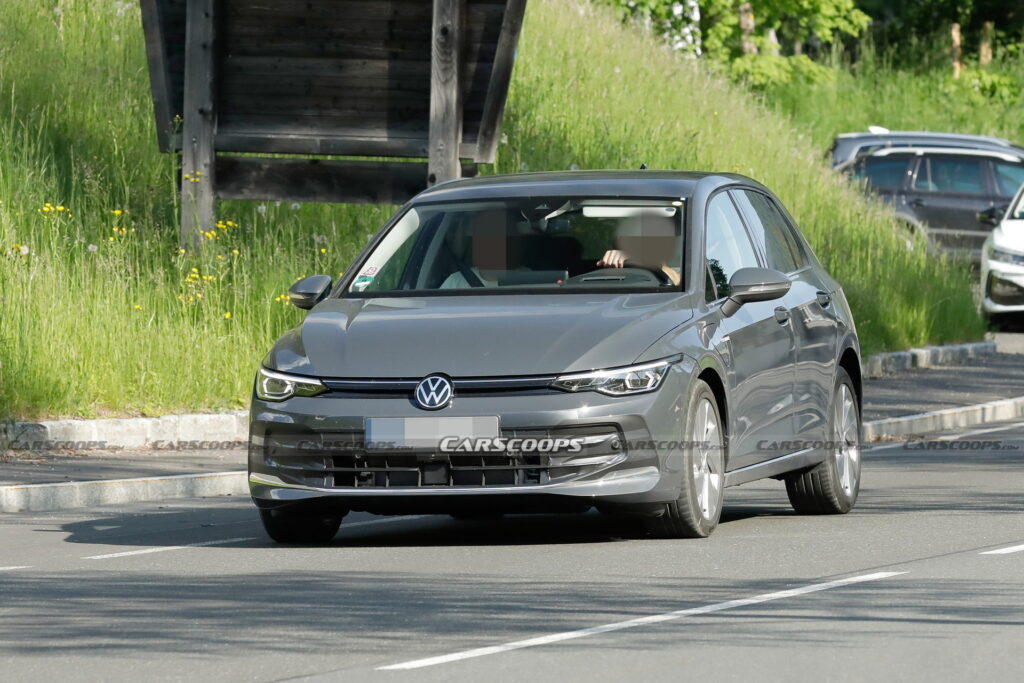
[{"x": 227, "y": 316}]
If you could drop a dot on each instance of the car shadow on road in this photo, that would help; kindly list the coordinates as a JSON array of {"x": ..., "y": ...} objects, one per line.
[{"x": 157, "y": 527}]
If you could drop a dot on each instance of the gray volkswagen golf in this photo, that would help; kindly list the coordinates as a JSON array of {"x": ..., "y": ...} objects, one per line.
[{"x": 631, "y": 341}]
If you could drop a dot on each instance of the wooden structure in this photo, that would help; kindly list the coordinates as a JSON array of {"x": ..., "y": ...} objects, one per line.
[{"x": 419, "y": 83}]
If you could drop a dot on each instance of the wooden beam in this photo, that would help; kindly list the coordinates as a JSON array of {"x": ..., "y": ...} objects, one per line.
[
  {"x": 159, "y": 78},
  {"x": 302, "y": 180},
  {"x": 445, "y": 91},
  {"x": 501, "y": 76},
  {"x": 198, "y": 199}
]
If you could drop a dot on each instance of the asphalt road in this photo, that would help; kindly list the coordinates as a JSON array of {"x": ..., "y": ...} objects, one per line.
[{"x": 923, "y": 580}]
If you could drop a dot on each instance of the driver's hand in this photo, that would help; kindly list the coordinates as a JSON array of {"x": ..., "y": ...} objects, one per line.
[{"x": 613, "y": 258}]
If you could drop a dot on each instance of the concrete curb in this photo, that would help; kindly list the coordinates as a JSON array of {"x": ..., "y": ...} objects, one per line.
[
  {"x": 950, "y": 418},
  {"x": 78, "y": 494},
  {"x": 135, "y": 432},
  {"x": 882, "y": 364}
]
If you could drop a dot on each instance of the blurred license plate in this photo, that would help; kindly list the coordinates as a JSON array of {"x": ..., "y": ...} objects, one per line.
[{"x": 425, "y": 432}]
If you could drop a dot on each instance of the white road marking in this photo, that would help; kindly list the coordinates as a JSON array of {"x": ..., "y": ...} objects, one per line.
[
  {"x": 1004, "y": 551},
  {"x": 640, "y": 621},
  {"x": 7, "y": 569},
  {"x": 146, "y": 551}
]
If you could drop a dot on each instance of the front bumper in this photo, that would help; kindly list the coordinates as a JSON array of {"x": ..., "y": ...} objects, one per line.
[{"x": 309, "y": 451}]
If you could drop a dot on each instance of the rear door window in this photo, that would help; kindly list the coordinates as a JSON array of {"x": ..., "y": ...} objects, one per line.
[
  {"x": 950, "y": 175},
  {"x": 1009, "y": 177}
]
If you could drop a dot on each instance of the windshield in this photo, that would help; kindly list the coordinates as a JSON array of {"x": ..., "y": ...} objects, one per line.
[{"x": 541, "y": 243}]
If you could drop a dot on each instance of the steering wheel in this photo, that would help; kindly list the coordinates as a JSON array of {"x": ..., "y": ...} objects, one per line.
[
  {"x": 629, "y": 273},
  {"x": 658, "y": 272}
]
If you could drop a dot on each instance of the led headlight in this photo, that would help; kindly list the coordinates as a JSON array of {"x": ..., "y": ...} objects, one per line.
[
  {"x": 635, "y": 379},
  {"x": 277, "y": 386},
  {"x": 1005, "y": 256}
]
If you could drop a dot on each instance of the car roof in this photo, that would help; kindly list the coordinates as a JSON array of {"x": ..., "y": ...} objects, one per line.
[
  {"x": 642, "y": 183},
  {"x": 946, "y": 151},
  {"x": 961, "y": 137}
]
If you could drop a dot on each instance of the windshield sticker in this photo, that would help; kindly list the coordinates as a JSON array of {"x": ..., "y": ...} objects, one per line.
[{"x": 362, "y": 282}]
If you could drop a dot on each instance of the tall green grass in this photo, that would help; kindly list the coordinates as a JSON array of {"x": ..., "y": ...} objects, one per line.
[
  {"x": 103, "y": 315},
  {"x": 873, "y": 91}
]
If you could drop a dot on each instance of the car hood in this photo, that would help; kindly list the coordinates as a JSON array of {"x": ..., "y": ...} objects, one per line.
[
  {"x": 1009, "y": 235},
  {"x": 477, "y": 336}
]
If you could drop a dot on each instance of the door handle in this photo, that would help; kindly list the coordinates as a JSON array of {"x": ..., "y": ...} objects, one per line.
[
  {"x": 824, "y": 299},
  {"x": 782, "y": 315}
]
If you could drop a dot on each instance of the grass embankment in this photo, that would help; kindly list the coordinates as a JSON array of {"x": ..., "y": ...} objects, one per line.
[
  {"x": 873, "y": 92},
  {"x": 100, "y": 313}
]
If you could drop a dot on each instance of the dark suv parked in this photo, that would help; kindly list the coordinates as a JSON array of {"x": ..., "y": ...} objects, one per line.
[
  {"x": 954, "y": 194},
  {"x": 848, "y": 146}
]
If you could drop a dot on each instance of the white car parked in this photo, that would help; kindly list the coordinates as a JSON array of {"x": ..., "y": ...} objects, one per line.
[{"x": 1002, "y": 264}]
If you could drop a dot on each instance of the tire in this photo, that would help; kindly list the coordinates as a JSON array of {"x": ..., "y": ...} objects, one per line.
[
  {"x": 696, "y": 512},
  {"x": 299, "y": 526},
  {"x": 831, "y": 487}
]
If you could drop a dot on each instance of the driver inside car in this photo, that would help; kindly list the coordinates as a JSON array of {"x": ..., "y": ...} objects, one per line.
[
  {"x": 646, "y": 248},
  {"x": 486, "y": 232}
]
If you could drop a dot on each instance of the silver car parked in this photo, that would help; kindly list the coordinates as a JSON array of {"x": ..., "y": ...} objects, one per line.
[{"x": 631, "y": 341}]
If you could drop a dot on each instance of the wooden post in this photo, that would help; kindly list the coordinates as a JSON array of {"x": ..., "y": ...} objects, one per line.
[
  {"x": 985, "y": 51},
  {"x": 445, "y": 92},
  {"x": 198, "y": 198},
  {"x": 501, "y": 76},
  {"x": 747, "y": 27},
  {"x": 156, "y": 52},
  {"x": 956, "y": 49}
]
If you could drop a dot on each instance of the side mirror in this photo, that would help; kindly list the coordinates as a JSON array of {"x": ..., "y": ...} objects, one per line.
[
  {"x": 309, "y": 291},
  {"x": 754, "y": 284},
  {"x": 992, "y": 215}
]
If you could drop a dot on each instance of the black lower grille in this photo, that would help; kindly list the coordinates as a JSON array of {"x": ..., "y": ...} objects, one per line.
[
  {"x": 341, "y": 461},
  {"x": 377, "y": 471}
]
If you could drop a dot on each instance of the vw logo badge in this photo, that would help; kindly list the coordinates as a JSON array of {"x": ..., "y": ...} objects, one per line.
[{"x": 434, "y": 392}]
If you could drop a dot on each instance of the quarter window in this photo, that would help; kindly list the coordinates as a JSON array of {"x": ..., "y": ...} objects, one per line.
[
  {"x": 949, "y": 174},
  {"x": 771, "y": 230},
  {"x": 727, "y": 245}
]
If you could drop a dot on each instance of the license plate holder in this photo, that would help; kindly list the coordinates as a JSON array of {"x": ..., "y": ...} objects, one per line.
[{"x": 425, "y": 433}]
